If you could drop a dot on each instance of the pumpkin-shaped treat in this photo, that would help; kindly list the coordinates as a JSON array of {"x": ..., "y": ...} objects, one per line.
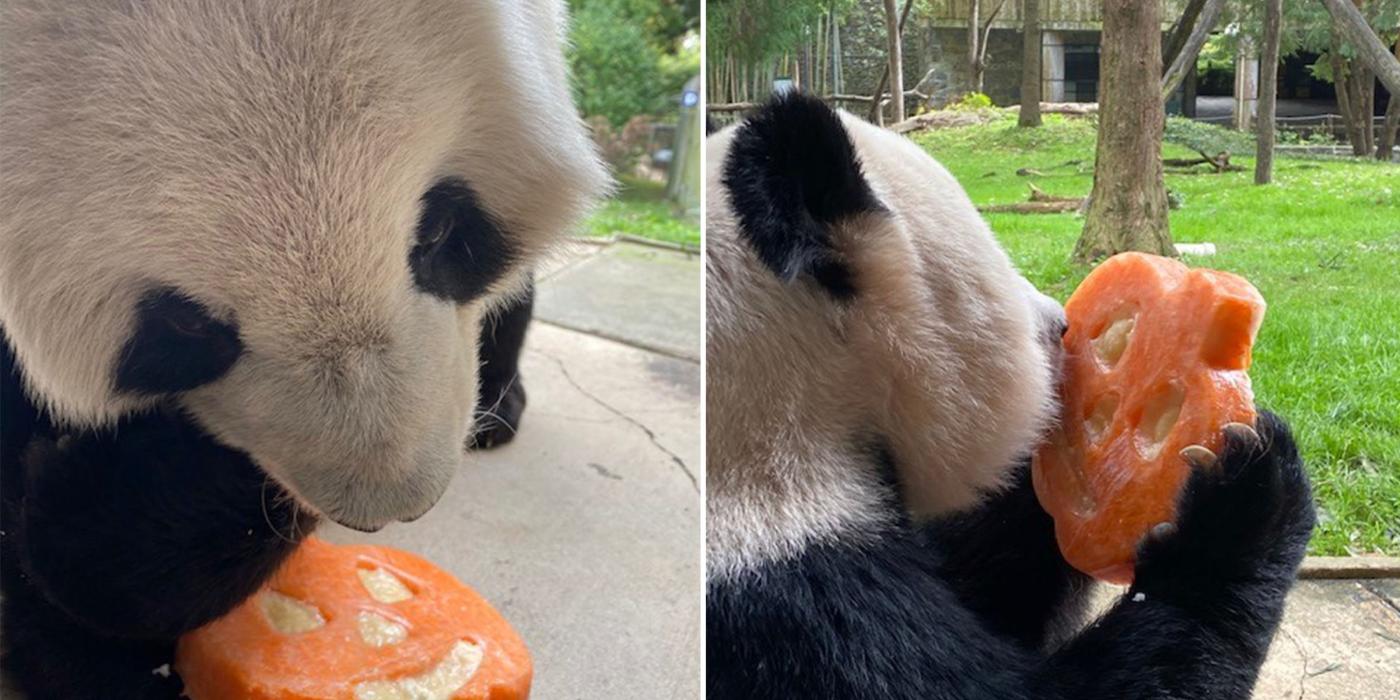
[
  {"x": 357, "y": 623},
  {"x": 1155, "y": 361}
]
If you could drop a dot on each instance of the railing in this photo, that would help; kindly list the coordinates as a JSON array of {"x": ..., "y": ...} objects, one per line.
[{"x": 1333, "y": 124}]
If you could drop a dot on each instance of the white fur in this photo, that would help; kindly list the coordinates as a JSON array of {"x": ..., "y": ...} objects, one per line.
[
  {"x": 940, "y": 356},
  {"x": 267, "y": 158}
]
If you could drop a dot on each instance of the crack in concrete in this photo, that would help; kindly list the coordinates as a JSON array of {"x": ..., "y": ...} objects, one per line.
[
  {"x": 1303, "y": 678},
  {"x": 604, "y": 471},
  {"x": 1383, "y": 598},
  {"x": 651, "y": 435}
]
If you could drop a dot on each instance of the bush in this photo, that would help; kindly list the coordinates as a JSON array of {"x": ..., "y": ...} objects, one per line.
[
  {"x": 616, "y": 71},
  {"x": 1209, "y": 138},
  {"x": 972, "y": 101},
  {"x": 622, "y": 148}
]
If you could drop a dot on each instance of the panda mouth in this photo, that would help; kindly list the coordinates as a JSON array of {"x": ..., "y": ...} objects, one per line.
[{"x": 345, "y": 508}]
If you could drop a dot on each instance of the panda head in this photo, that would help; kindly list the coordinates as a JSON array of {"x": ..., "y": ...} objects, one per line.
[
  {"x": 287, "y": 219},
  {"x": 860, "y": 313}
]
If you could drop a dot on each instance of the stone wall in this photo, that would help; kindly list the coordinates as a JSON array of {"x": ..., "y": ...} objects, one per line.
[{"x": 935, "y": 59}]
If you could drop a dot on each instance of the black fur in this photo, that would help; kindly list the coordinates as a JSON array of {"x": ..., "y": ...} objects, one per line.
[
  {"x": 791, "y": 174},
  {"x": 502, "y": 398},
  {"x": 117, "y": 541},
  {"x": 960, "y": 609},
  {"x": 461, "y": 248},
  {"x": 114, "y": 542},
  {"x": 176, "y": 346}
]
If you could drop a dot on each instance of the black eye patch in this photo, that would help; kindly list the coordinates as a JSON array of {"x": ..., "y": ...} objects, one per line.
[
  {"x": 461, "y": 249},
  {"x": 176, "y": 346}
]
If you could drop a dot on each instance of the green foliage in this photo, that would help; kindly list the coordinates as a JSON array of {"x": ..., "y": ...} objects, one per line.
[
  {"x": 681, "y": 65},
  {"x": 1311, "y": 138},
  {"x": 753, "y": 31},
  {"x": 640, "y": 209},
  {"x": 616, "y": 72},
  {"x": 664, "y": 22},
  {"x": 1322, "y": 244},
  {"x": 972, "y": 101},
  {"x": 1307, "y": 26},
  {"x": 1210, "y": 138},
  {"x": 631, "y": 57}
]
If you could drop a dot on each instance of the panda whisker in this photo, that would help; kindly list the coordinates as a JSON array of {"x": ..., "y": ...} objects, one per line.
[
  {"x": 490, "y": 412},
  {"x": 262, "y": 498}
]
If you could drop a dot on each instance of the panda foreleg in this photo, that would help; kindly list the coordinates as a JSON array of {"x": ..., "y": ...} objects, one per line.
[
  {"x": 1208, "y": 593},
  {"x": 120, "y": 541},
  {"x": 501, "y": 400},
  {"x": 880, "y": 620},
  {"x": 1003, "y": 563}
]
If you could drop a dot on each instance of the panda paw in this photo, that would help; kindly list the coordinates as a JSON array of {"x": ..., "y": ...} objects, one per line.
[
  {"x": 1245, "y": 515},
  {"x": 498, "y": 416},
  {"x": 177, "y": 528}
]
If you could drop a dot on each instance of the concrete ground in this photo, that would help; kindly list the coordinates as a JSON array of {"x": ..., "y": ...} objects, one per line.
[
  {"x": 585, "y": 531},
  {"x": 1340, "y": 640}
]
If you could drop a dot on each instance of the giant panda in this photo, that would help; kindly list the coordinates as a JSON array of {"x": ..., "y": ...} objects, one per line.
[
  {"x": 259, "y": 262},
  {"x": 877, "y": 374}
]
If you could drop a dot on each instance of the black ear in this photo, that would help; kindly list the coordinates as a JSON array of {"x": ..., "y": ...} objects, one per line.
[{"x": 792, "y": 173}]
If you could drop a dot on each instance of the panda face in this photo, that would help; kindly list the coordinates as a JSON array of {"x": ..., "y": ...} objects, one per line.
[
  {"x": 286, "y": 218},
  {"x": 863, "y": 325}
]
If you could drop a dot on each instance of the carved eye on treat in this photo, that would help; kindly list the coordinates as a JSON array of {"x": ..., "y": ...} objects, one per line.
[
  {"x": 1154, "y": 363},
  {"x": 361, "y": 623}
]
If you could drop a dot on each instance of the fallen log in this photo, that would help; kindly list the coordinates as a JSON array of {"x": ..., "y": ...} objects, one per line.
[
  {"x": 1031, "y": 208},
  {"x": 1038, "y": 202},
  {"x": 1039, "y": 195},
  {"x": 1027, "y": 172},
  {"x": 1220, "y": 162}
]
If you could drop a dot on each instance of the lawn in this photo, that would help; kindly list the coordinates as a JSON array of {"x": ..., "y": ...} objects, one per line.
[
  {"x": 1323, "y": 246},
  {"x": 639, "y": 208}
]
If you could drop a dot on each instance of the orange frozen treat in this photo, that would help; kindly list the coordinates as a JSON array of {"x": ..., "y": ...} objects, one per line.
[
  {"x": 1155, "y": 361},
  {"x": 357, "y": 623}
]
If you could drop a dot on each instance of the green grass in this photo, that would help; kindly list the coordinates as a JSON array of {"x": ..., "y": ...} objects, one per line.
[
  {"x": 1323, "y": 246},
  {"x": 640, "y": 208}
]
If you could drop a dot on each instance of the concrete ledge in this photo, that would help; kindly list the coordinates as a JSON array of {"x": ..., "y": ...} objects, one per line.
[{"x": 1350, "y": 567}]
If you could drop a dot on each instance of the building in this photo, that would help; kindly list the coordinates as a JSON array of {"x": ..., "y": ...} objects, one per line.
[{"x": 936, "y": 41}]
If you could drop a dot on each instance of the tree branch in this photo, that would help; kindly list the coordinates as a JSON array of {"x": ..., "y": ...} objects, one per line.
[
  {"x": 1369, "y": 49},
  {"x": 1177, "y": 39},
  {"x": 986, "y": 32},
  {"x": 1186, "y": 58}
]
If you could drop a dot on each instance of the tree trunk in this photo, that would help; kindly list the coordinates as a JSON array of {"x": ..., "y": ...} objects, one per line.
[
  {"x": 885, "y": 76},
  {"x": 974, "y": 67},
  {"x": 1128, "y": 205},
  {"x": 1188, "y": 95},
  {"x": 1386, "y": 146},
  {"x": 977, "y": 34},
  {"x": 1347, "y": 19},
  {"x": 896, "y": 63},
  {"x": 1185, "y": 59},
  {"x": 1268, "y": 92},
  {"x": 1341, "y": 80},
  {"x": 1030, "y": 64},
  {"x": 1365, "y": 91}
]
